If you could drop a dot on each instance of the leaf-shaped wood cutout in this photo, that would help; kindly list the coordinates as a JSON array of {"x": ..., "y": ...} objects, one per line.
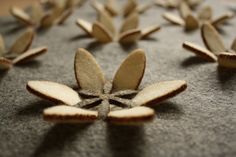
[
  {"x": 65, "y": 15},
  {"x": 53, "y": 91},
  {"x": 86, "y": 26},
  {"x": 222, "y": 19},
  {"x": 174, "y": 19},
  {"x": 136, "y": 115},
  {"x": 107, "y": 21},
  {"x": 21, "y": 15},
  {"x": 2, "y": 46},
  {"x": 130, "y": 36},
  {"x": 155, "y": 93},
  {"x": 131, "y": 22},
  {"x": 37, "y": 13},
  {"x": 205, "y": 14},
  {"x": 111, "y": 7},
  {"x": 69, "y": 114},
  {"x": 143, "y": 7},
  {"x": 101, "y": 33},
  {"x": 29, "y": 55},
  {"x": 200, "y": 51},
  {"x": 97, "y": 6},
  {"x": 146, "y": 32},
  {"x": 23, "y": 43},
  {"x": 87, "y": 72},
  {"x": 227, "y": 60},
  {"x": 131, "y": 71},
  {"x": 129, "y": 7},
  {"x": 191, "y": 23},
  {"x": 184, "y": 10},
  {"x": 212, "y": 39},
  {"x": 233, "y": 46},
  {"x": 5, "y": 64}
]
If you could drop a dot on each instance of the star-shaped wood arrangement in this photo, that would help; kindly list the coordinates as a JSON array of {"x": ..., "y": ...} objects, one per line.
[
  {"x": 119, "y": 101},
  {"x": 45, "y": 14},
  {"x": 111, "y": 7},
  {"x": 216, "y": 50},
  {"x": 19, "y": 52},
  {"x": 173, "y": 4},
  {"x": 103, "y": 30},
  {"x": 191, "y": 22}
]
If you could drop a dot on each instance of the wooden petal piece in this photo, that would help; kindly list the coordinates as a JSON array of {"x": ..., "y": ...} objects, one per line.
[
  {"x": 131, "y": 22},
  {"x": 21, "y": 15},
  {"x": 131, "y": 71},
  {"x": 5, "y": 64},
  {"x": 53, "y": 92},
  {"x": 184, "y": 9},
  {"x": 65, "y": 15},
  {"x": 205, "y": 14},
  {"x": 129, "y": 7},
  {"x": 30, "y": 55},
  {"x": 111, "y": 7},
  {"x": 191, "y": 23},
  {"x": 23, "y": 43},
  {"x": 69, "y": 114},
  {"x": 107, "y": 21},
  {"x": 200, "y": 51},
  {"x": 212, "y": 39},
  {"x": 86, "y": 26},
  {"x": 222, "y": 19},
  {"x": 37, "y": 12},
  {"x": 173, "y": 19},
  {"x": 155, "y": 93},
  {"x": 87, "y": 72},
  {"x": 130, "y": 36},
  {"x": 227, "y": 60},
  {"x": 136, "y": 115},
  {"x": 101, "y": 33},
  {"x": 233, "y": 46},
  {"x": 146, "y": 32},
  {"x": 2, "y": 46},
  {"x": 143, "y": 7}
]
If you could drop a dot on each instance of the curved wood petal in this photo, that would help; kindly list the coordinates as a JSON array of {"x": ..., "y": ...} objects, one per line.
[
  {"x": 146, "y": 32},
  {"x": 184, "y": 9},
  {"x": 131, "y": 71},
  {"x": 130, "y": 36},
  {"x": 131, "y": 22},
  {"x": 53, "y": 92},
  {"x": 87, "y": 72},
  {"x": 155, "y": 93},
  {"x": 101, "y": 33},
  {"x": 69, "y": 114},
  {"x": 111, "y": 7},
  {"x": 205, "y": 14},
  {"x": 212, "y": 39},
  {"x": 5, "y": 64},
  {"x": 191, "y": 23},
  {"x": 143, "y": 7},
  {"x": 37, "y": 12},
  {"x": 222, "y": 19},
  {"x": 172, "y": 18},
  {"x": 65, "y": 15},
  {"x": 227, "y": 60},
  {"x": 30, "y": 55},
  {"x": 2, "y": 46},
  {"x": 129, "y": 7},
  {"x": 200, "y": 51},
  {"x": 136, "y": 115},
  {"x": 105, "y": 19},
  {"x": 21, "y": 15},
  {"x": 84, "y": 25},
  {"x": 23, "y": 43}
]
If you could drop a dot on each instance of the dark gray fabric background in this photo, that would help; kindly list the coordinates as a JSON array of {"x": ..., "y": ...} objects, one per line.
[{"x": 200, "y": 122}]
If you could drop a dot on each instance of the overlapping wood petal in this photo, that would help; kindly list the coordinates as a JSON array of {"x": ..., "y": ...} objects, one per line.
[
  {"x": 21, "y": 15},
  {"x": 212, "y": 39},
  {"x": 136, "y": 115},
  {"x": 205, "y": 14},
  {"x": 5, "y": 64},
  {"x": 174, "y": 19},
  {"x": 88, "y": 73},
  {"x": 227, "y": 59},
  {"x": 86, "y": 26},
  {"x": 101, "y": 33},
  {"x": 68, "y": 114},
  {"x": 146, "y": 32},
  {"x": 23, "y": 43},
  {"x": 131, "y": 22},
  {"x": 130, "y": 36},
  {"x": 155, "y": 93},
  {"x": 53, "y": 92},
  {"x": 107, "y": 21},
  {"x": 130, "y": 72}
]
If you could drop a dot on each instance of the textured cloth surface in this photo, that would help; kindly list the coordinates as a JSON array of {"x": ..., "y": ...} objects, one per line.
[{"x": 200, "y": 122}]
